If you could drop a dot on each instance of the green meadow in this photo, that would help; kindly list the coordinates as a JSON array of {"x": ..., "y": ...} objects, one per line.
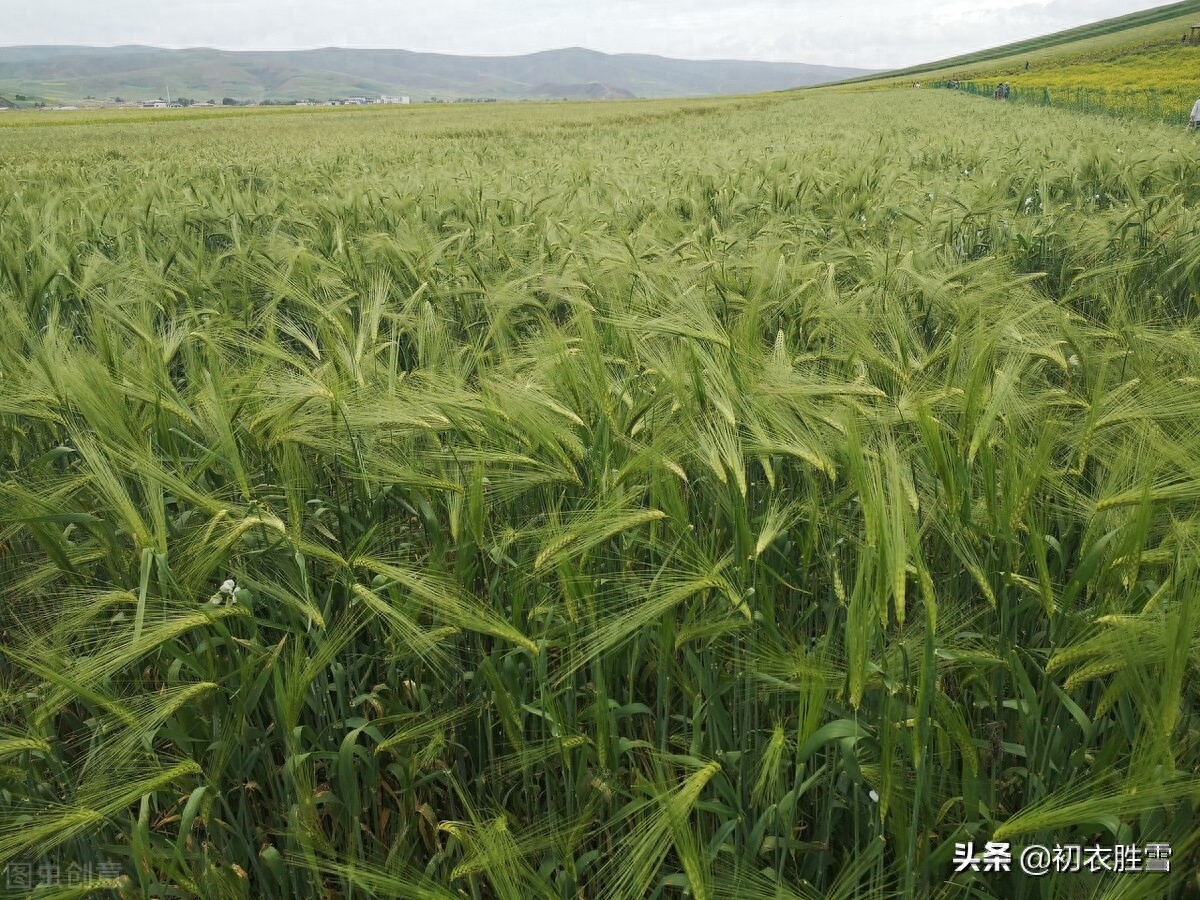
[
  {"x": 717, "y": 499},
  {"x": 1133, "y": 66},
  {"x": 1110, "y": 40}
]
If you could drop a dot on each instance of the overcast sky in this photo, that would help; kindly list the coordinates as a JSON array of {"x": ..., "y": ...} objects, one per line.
[{"x": 867, "y": 33}]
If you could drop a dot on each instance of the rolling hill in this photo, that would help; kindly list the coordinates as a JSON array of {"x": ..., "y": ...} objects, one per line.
[
  {"x": 588, "y": 91},
  {"x": 54, "y": 74},
  {"x": 1115, "y": 36},
  {"x": 1141, "y": 65}
]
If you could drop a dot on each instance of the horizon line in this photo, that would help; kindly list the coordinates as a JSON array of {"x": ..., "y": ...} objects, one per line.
[{"x": 489, "y": 55}]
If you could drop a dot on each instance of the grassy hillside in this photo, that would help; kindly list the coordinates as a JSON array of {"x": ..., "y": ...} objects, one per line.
[
  {"x": 54, "y": 74},
  {"x": 1133, "y": 65},
  {"x": 1153, "y": 27},
  {"x": 617, "y": 501}
]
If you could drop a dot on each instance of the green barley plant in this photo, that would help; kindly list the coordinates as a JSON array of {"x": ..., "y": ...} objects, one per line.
[{"x": 747, "y": 498}]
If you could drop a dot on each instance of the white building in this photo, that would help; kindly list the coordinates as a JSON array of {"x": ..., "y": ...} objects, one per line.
[{"x": 401, "y": 99}]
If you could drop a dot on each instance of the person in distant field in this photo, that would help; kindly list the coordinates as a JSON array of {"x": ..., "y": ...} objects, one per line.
[
  {"x": 1026, "y": 65},
  {"x": 1194, "y": 118}
]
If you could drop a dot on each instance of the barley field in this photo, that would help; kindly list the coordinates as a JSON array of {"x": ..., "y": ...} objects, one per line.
[{"x": 721, "y": 499}]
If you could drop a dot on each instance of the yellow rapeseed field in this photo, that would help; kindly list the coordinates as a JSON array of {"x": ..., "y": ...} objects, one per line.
[{"x": 1143, "y": 72}]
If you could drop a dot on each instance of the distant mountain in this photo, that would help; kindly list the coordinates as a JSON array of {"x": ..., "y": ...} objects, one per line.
[
  {"x": 142, "y": 73},
  {"x": 592, "y": 90}
]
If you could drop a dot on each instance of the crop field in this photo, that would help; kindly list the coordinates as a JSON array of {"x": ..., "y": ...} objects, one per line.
[
  {"x": 1164, "y": 67},
  {"x": 724, "y": 499},
  {"x": 1133, "y": 66},
  {"x": 1157, "y": 82}
]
